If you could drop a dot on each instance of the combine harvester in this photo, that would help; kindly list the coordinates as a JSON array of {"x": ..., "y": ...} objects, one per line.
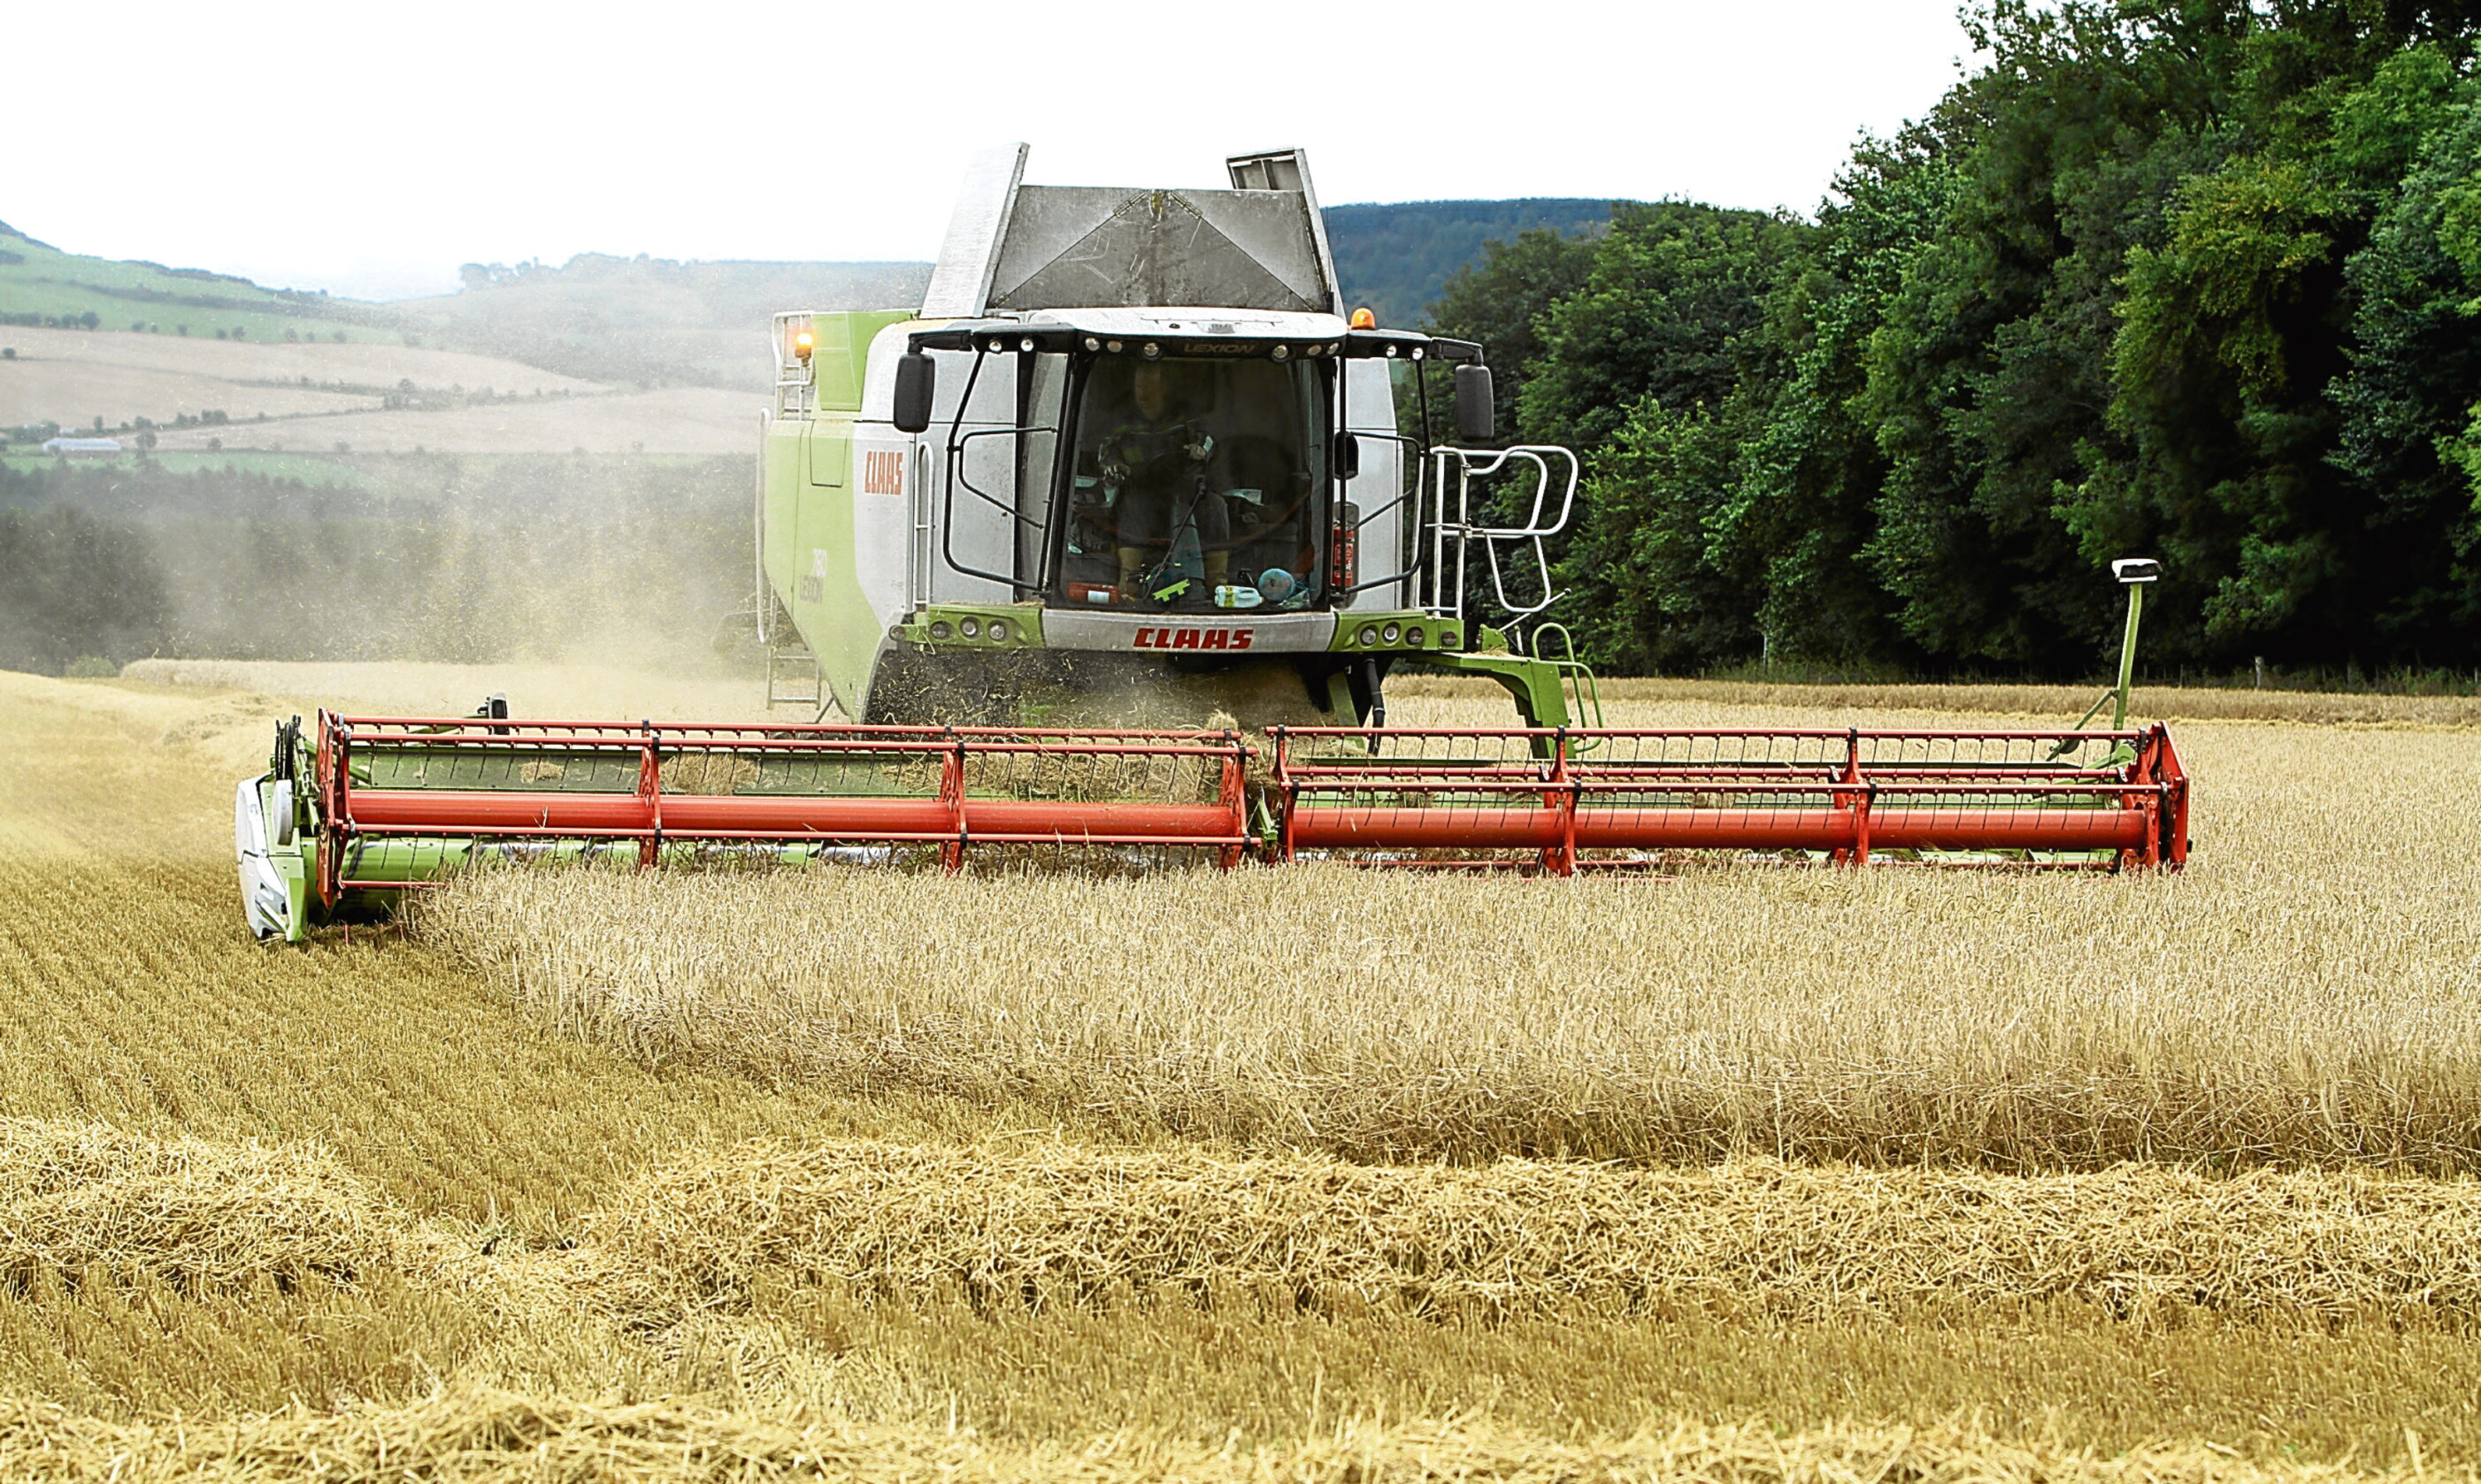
[{"x": 1133, "y": 462}]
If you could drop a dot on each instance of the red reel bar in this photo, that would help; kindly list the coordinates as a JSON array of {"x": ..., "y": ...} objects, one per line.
[
  {"x": 824, "y": 820},
  {"x": 652, "y": 814},
  {"x": 1553, "y": 794}
]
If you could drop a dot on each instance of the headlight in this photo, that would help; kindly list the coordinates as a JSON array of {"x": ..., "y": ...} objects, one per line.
[
  {"x": 971, "y": 628},
  {"x": 1413, "y": 637},
  {"x": 999, "y": 631},
  {"x": 940, "y": 629},
  {"x": 1392, "y": 634},
  {"x": 1369, "y": 635}
]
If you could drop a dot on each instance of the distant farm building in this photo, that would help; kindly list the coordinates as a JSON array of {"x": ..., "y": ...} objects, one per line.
[{"x": 77, "y": 446}]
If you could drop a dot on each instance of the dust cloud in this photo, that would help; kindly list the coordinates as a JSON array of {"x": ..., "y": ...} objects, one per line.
[{"x": 625, "y": 564}]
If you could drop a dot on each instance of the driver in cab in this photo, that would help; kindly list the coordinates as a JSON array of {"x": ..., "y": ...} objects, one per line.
[{"x": 1174, "y": 532}]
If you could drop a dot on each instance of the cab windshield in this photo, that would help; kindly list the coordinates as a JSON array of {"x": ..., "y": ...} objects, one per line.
[{"x": 1194, "y": 486}]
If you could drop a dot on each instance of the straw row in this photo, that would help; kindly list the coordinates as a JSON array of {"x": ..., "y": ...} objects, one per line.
[
  {"x": 80, "y": 1198},
  {"x": 472, "y": 1436},
  {"x": 1046, "y": 1223}
]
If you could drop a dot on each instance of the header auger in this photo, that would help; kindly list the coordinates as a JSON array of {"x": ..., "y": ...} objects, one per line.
[{"x": 1132, "y": 466}]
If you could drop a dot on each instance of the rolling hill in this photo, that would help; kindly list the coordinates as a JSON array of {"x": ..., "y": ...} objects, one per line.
[
  {"x": 651, "y": 321},
  {"x": 1397, "y": 257},
  {"x": 41, "y": 286},
  {"x": 602, "y": 352}
]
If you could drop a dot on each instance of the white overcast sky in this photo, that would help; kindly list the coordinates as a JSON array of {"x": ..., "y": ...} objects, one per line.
[{"x": 369, "y": 149}]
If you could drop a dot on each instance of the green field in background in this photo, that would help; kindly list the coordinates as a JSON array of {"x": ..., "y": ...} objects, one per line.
[{"x": 65, "y": 286}]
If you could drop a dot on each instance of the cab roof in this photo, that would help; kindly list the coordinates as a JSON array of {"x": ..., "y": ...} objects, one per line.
[{"x": 1187, "y": 331}]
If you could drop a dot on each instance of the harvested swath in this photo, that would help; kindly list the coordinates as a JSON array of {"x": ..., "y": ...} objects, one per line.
[
  {"x": 478, "y": 1435},
  {"x": 1047, "y": 1222},
  {"x": 81, "y": 1198},
  {"x": 2302, "y": 994}
]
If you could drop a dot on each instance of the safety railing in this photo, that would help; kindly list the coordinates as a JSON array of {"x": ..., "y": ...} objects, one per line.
[{"x": 1454, "y": 533}]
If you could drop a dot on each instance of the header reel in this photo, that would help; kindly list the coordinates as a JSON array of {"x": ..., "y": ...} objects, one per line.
[{"x": 364, "y": 809}]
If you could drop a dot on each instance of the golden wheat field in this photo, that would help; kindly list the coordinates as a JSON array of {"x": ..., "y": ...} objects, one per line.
[{"x": 1751, "y": 1174}]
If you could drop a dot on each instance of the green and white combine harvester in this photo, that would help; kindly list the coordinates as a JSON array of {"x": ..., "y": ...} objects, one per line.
[{"x": 1113, "y": 545}]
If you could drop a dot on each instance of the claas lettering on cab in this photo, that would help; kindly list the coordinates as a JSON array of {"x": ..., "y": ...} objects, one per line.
[{"x": 1115, "y": 541}]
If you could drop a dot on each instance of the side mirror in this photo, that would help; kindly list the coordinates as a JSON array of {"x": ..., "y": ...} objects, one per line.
[
  {"x": 917, "y": 381},
  {"x": 1345, "y": 455},
  {"x": 1476, "y": 408}
]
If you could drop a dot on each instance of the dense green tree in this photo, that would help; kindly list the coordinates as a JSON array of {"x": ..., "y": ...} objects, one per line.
[
  {"x": 1666, "y": 311},
  {"x": 1800, "y": 513},
  {"x": 2410, "y": 406},
  {"x": 1499, "y": 301},
  {"x": 1645, "y": 588},
  {"x": 1645, "y": 370},
  {"x": 2234, "y": 329},
  {"x": 2184, "y": 278},
  {"x": 1989, "y": 380}
]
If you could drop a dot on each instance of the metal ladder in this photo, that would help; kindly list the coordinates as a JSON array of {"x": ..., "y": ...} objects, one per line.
[{"x": 788, "y": 665}]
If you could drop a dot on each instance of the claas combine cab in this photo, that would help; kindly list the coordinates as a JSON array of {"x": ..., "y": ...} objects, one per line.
[
  {"x": 1111, "y": 547},
  {"x": 1133, "y": 463}
]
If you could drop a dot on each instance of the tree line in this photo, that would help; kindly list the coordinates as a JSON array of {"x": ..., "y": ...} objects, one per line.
[{"x": 2195, "y": 280}]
